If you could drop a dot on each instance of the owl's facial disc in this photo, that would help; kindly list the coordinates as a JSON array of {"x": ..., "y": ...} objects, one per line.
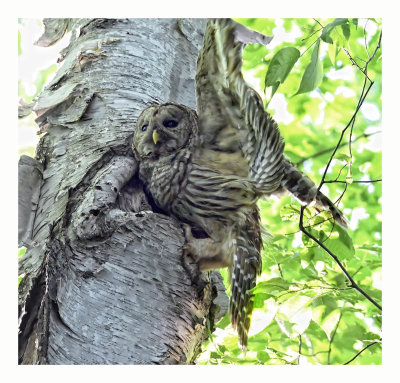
[{"x": 161, "y": 131}]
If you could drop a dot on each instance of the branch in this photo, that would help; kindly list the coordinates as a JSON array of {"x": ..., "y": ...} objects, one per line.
[
  {"x": 363, "y": 95},
  {"x": 353, "y": 284},
  {"x": 361, "y": 100},
  {"x": 371, "y": 344},
  {"x": 359, "y": 182},
  {"x": 309, "y": 47},
  {"x": 329, "y": 150},
  {"x": 298, "y": 358},
  {"x": 332, "y": 338}
]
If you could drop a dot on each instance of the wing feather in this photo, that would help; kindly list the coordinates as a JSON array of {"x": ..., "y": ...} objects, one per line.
[{"x": 227, "y": 105}]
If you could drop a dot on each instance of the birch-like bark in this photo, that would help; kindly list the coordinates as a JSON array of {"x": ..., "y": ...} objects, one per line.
[{"x": 106, "y": 280}]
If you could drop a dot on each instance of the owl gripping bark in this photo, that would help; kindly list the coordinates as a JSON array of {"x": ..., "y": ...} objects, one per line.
[{"x": 209, "y": 168}]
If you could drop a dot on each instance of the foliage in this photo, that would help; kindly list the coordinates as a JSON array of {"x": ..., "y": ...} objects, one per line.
[
  {"x": 306, "y": 312},
  {"x": 31, "y": 83},
  {"x": 21, "y": 252}
]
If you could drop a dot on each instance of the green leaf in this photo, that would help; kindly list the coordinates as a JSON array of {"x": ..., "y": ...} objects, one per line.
[
  {"x": 21, "y": 251},
  {"x": 330, "y": 323},
  {"x": 326, "y": 32},
  {"x": 312, "y": 76},
  {"x": 344, "y": 157},
  {"x": 224, "y": 322},
  {"x": 290, "y": 213},
  {"x": 340, "y": 243},
  {"x": 354, "y": 21},
  {"x": 346, "y": 31},
  {"x": 263, "y": 356},
  {"x": 280, "y": 67},
  {"x": 332, "y": 53},
  {"x": 259, "y": 299},
  {"x": 271, "y": 286},
  {"x": 322, "y": 306},
  {"x": 222, "y": 349},
  {"x": 294, "y": 315},
  {"x": 215, "y": 355},
  {"x": 370, "y": 248}
]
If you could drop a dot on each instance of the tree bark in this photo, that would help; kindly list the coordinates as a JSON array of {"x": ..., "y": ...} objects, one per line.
[{"x": 106, "y": 278}]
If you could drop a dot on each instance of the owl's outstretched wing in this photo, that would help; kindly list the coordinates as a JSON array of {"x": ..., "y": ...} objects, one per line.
[
  {"x": 238, "y": 134},
  {"x": 231, "y": 114}
]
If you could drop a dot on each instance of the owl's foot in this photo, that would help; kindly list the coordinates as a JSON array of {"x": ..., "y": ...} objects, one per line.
[{"x": 208, "y": 254}]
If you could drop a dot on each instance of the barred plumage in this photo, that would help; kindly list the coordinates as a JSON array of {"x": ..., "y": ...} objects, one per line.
[
  {"x": 304, "y": 189},
  {"x": 209, "y": 170}
]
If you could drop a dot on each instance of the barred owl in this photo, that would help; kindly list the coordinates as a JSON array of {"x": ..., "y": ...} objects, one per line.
[{"x": 209, "y": 168}]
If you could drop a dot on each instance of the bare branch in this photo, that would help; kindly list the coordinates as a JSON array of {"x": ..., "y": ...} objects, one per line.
[
  {"x": 363, "y": 95},
  {"x": 318, "y": 23},
  {"x": 298, "y": 358},
  {"x": 353, "y": 284},
  {"x": 329, "y": 150},
  {"x": 354, "y": 182},
  {"x": 362, "y": 98},
  {"x": 360, "y": 352}
]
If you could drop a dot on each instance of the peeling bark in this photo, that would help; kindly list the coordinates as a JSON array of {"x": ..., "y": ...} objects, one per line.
[{"x": 106, "y": 279}]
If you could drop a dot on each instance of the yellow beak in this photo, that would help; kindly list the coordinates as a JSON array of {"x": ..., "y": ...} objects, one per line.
[{"x": 156, "y": 136}]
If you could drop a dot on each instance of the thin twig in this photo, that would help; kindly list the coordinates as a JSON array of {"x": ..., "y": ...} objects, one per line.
[
  {"x": 309, "y": 47},
  {"x": 341, "y": 196},
  {"x": 318, "y": 23},
  {"x": 354, "y": 182},
  {"x": 329, "y": 150},
  {"x": 280, "y": 270},
  {"x": 310, "y": 226},
  {"x": 360, "y": 102},
  {"x": 340, "y": 171},
  {"x": 371, "y": 344},
  {"x": 312, "y": 34},
  {"x": 298, "y": 358},
  {"x": 376, "y": 49},
  {"x": 308, "y": 288},
  {"x": 362, "y": 98},
  {"x": 353, "y": 284},
  {"x": 363, "y": 95},
  {"x": 365, "y": 39},
  {"x": 332, "y": 338}
]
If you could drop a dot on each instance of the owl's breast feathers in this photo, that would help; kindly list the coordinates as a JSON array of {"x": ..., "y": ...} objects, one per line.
[
  {"x": 192, "y": 187},
  {"x": 165, "y": 177}
]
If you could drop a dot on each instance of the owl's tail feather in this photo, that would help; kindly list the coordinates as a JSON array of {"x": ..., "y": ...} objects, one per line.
[
  {"x": 298, "y": 184},
  {"x": 246, "y": 267}
]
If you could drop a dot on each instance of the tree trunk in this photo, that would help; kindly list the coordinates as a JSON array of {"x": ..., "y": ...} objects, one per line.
[{"x": 106, "y": 279}]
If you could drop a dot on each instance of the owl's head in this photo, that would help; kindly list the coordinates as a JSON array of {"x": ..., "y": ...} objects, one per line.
[{"x": 164, "y": 129}]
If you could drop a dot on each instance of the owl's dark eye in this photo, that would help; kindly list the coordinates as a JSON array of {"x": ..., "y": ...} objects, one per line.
[
  {"x": 170, "y": 123},
  {"x": 144, "y": 127}
]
